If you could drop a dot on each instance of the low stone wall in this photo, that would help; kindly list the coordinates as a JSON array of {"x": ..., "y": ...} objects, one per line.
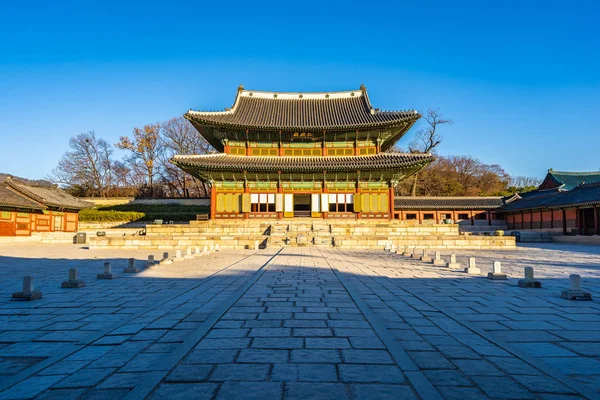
[
  {"x": 576, "y": 239},
  {"x": 40, "y": 237},
  {"x": 113, "y": 201}
]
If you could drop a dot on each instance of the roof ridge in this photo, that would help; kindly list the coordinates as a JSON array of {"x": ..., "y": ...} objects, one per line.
[{"x": 574, "y": 173}]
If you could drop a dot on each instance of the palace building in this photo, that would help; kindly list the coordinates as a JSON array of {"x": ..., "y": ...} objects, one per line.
[
  {"x": 284, "y": 155},
  {"x": 28, "y": 208}
]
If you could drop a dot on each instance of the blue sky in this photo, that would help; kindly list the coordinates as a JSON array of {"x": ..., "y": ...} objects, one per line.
[{"x": 520, "y": 79}]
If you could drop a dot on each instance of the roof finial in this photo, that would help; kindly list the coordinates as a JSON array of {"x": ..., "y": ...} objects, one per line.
[
  {"x": 240, "y": 88},
  {"x": 363, "y": 88}
]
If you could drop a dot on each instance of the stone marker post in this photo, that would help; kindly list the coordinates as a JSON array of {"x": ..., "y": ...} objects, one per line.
[
  {"x": 205, "y": 249},
  {"x": 437, "y": 261},
  {"x": 150, "y": 261},
  {"x": 529, "y": 281},
  {"x": 107, "y": 274},
  {"x": 407, "y": 252},
  {"x": 197, "y": 252},
  {"x": 496, "y": 274},
  {"x": 178, "y": 256},
  {"x": 28, "y": 293},
  {"x": 425, "y": 257},
  {"x": 131, "y": 268},
  {"x": 415, "y": 253},
  {"x": 188, "y": 254},
  {"x": 217, "y": 248},
  {"x": 74, "y": 282},
  {"x": 472, "y": 268},
  {"x": 453, "y": 264},
  {"x": 256, "y": 245},
  {"x": 574, "y": 292},
  {"x": 166, "y": 259}
]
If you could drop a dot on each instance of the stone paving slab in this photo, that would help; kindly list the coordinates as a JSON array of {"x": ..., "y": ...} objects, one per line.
[{"x": 300, "y": 323}]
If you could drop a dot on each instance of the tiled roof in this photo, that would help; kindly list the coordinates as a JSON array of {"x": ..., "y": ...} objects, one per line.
[
  {"x": 582, "y": 195},
  {"x": 448, "y": 203},
  {"x": 302, "y": 111},
  {"x": 50, "y": 196},
  {"x": 569, "y": 180},
  {"x": 377, "y": 162},
  {"x": 10, "y": 198}
]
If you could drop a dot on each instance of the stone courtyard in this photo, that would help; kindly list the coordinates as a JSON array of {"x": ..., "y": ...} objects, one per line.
[{"x": 299, "y": 323}]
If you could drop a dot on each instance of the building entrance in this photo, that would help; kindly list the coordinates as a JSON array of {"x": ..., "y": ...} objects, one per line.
[{"x": 301, "y": 205}]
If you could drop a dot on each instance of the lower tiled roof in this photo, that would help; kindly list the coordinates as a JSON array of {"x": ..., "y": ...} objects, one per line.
[
  {"x": 582, "y": 195},
  {"x": 50, "y": 196},
  {"x": 447, "y": 203},
  {"x": 9, "y": 198},
  {"x": 377, "y": 162}
]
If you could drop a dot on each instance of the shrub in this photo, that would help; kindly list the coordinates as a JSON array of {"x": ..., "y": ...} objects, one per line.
[
  {"x": 94, "y": 215},
  {"x": 142, "y": 212}
]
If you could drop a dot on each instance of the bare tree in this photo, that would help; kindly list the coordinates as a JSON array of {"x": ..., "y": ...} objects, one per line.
[
  {"x": 144, "y": 150},
  {"x": 426, "y": 140},
  {"x": 180, "y": 137},
  {"x": 88, "y": 165},
  {"x": 524, "y": 181}
]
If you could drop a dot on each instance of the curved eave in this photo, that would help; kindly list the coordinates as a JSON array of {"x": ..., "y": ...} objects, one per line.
[
  {"x": 207, "y": 121},
  {"x": 295, "y": 164}
]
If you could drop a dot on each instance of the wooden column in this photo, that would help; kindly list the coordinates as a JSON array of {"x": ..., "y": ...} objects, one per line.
[
  {"x": 577, "y": 221},
  {"x": 551, "y": 219},
  {"x": 489, "y": 218},
  {"x": 279, "y": 190},
  {"x": 596, "y": 222},
  {"x": 213, "y": 201},
  {"x": 531, "y": 219},
  {"x": 391, "y": 202},
  {"x": 472, "y": 218},
  {"x": 564, "y": 221}
]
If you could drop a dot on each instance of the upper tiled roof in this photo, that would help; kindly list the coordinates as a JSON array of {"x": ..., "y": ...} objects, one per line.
[
  {"x": 50, "y": 196},
  {"x": 448, "y": 203},
  {"x": 377, "y": 162},
  {"x": 582, "y": 195},
  {"x": 10, "y": 198},
  {"x": 568, "y": 180},
  {"x": 302, "y": 111}
]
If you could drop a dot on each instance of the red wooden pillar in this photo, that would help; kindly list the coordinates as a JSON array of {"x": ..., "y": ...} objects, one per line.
[
  {"x": 577, "y": 221},
  {"x": 247, "y": 190},
  {"x": 551, "y": 219},
  {"x": 531, "y": 219},
  {"x": 279, "y": 190},
  {"x": 213, "y": 202},
  {"x": 391, "y": 205},
  {"x": 564, "y": 221}
]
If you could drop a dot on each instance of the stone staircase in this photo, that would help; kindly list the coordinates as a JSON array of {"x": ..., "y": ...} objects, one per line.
[{"x": 303, "y": 232}]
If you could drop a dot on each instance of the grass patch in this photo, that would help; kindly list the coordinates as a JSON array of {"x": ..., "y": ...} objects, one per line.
[{"x": 142, "y": 212}]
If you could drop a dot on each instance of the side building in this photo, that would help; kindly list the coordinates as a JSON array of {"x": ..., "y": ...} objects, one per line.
[
  {"x": 26, "y": 208},
  {"x": 565, "y": 202},
  {"x": 465, "y": 211}
]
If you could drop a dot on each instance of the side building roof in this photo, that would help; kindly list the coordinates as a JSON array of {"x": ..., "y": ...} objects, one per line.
[
  {"x": 568, "y": 180},
  {"x": 447, "y": 203},
  {"x": 11, "y": 199},
  {"x": 49, "y": 196},
  {"x": 579, "y": 196}
]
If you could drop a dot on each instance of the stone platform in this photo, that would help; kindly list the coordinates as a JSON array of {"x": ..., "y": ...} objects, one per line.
[{"x": 303, "y": 232}]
